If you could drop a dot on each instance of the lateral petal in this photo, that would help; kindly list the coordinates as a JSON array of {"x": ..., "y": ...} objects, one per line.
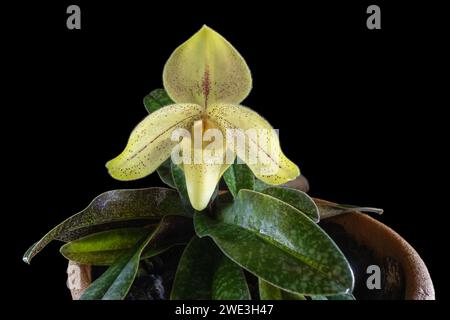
[
  {"x": 150, "y": 143},
  {"x": 255, "y": 142}
]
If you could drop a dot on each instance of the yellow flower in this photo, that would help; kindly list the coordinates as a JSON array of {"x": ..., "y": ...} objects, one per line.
[{"x": 208, "y": 79}]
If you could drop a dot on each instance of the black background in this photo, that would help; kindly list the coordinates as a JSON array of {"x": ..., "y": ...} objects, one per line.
[{"x": 356, "y": 108}]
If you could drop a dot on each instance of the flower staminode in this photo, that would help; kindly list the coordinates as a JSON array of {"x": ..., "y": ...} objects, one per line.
[{"x": 208, "y": 79}]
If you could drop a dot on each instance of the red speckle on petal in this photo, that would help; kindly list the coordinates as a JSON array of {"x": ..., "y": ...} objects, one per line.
[{"x": 206, "y": 85}]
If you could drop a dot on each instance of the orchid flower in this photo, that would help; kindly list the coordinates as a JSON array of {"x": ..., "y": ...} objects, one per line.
[{"x": 208, "y": 79}]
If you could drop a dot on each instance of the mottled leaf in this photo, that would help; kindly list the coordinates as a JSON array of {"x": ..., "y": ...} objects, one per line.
[
  {"x": 270, "y": 292},
  {"x": 239, "y": 176},
  {"x": 347, "y": 296},
  {"x": 296, "y": 198},
  {"x": 157, "y": 99},
  {"x": 112, "y": 207},
  {"x": 260, "y": 185},
  {"x": 329, "y": 209},
  {"x": 229, "y": 281},
  {"x": 299, "y": 183},
  {"x": 204, "y": 273},
  {"x": 278, "y": 243}
]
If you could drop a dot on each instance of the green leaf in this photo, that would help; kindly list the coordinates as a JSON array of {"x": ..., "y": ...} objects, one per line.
[
  {"x": 105, "y": 247},
  {"x": 112, "y": 207},
  {"x": 180, "y": 184},
  {"x": 279, "y": 244},
  {"x": 329, "y": 209},
  {"x": 115, "y": 282},
  {"x": 296, "y": 198},
  {"x": 156, "y": 99},
  {"x": 260, "y": 185},
  {"x": 204, "y": 273},
  {"x": 165, "y": 173},
  {"x": 239, "y": 176},
  {"x": 347, "y": 296},
  {"x": 299, "y": 183},
  {"x": 229, "y": 281},
  {"x": 215, "y": 194},
  {"x": 270, "y": 292}
]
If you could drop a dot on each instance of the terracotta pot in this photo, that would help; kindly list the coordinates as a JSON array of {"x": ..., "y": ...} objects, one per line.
[
  {"x": 79, "y": 277},
  {"x": 385, "y": 242},
  {"x": 382, "y": 240}
]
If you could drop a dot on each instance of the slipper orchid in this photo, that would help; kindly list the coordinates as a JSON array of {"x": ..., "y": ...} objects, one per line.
[{"x": 208, "y": 79}]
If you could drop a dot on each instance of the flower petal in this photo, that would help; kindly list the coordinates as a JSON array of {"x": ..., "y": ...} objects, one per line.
[
  {"x": 261, "y": 147},
  {"x": 202, "y": 173},
  {"x": 201, "y": 181},
  {"x": 207, "y": 69},
  {"x": 150, "y": 142}
]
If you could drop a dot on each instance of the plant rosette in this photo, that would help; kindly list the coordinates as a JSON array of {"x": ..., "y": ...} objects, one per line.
[{"x": 259, "y": 239}]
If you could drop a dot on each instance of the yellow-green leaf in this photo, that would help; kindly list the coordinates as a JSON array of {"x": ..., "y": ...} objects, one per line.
[
  {"x": 116, "y": 281},
  {"x": 103, "y": 248},
  {"x": 207, "y": 69},
  {"x": 150, "y": 143}
]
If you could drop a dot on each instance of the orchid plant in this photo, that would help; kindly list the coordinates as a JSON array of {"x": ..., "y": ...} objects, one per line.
[
  {"x": 257, "y": 225},
  {"x": 207, "y": 79}
]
